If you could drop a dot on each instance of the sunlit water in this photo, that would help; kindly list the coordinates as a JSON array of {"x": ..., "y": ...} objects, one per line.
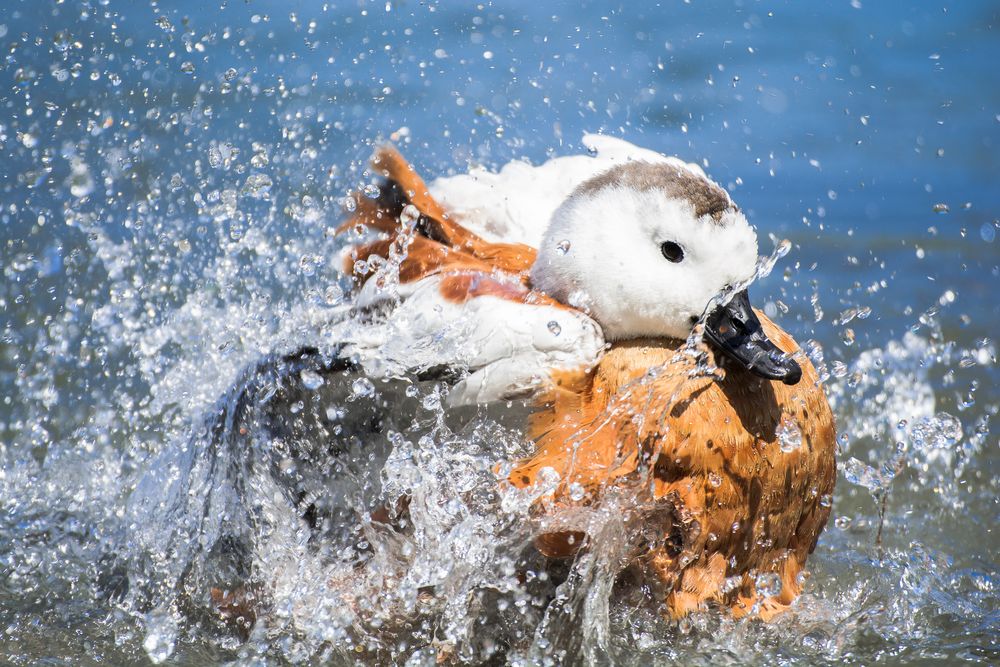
[{"x": 171, "y": 178}]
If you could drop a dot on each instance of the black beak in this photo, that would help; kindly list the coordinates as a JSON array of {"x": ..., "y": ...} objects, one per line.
[{"x": 735, "y": 331}]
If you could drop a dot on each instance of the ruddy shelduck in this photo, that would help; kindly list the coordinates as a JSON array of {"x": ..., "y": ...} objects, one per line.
[{"x": 577, "y": 284}]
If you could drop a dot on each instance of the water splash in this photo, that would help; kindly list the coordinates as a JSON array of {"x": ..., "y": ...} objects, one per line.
[{"x": 169, "y": 226}]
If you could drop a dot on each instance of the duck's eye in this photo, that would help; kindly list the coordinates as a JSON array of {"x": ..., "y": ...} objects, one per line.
[{"x": 672, "y": 251}]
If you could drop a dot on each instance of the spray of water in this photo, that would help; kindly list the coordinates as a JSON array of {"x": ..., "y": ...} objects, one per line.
[{"x": 189, "y": 475}]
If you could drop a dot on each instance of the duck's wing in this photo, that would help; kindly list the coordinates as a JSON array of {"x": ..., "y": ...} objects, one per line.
[
  {"x": 516, "y": 203},
  {"x": 404, "y": 187},
  {"x": 454, "y": 300}
]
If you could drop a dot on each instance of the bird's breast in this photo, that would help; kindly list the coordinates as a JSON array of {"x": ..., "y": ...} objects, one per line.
[{"x": 743, "y": 467}]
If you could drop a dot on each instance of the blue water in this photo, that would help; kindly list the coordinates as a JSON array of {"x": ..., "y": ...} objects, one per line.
[
  {"x": 866, "y": 132},
  {"x": 816, "y": 116}
]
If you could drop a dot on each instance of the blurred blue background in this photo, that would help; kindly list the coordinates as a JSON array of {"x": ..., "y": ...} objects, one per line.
[{"x": 873, "y": 112}]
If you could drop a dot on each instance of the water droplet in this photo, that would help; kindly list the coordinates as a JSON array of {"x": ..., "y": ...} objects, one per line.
[
  {"x": 860, "y": 473},
  {"x": 715, "y": 479},
  {"x": 576, "y": 491},
  {"x": 563, "y": 246},
  {"x": 548, "y": 477},
  {"x": 307, "y": 264},
  {"x": 259, "y": 160},
  {"x": 768, "y": 584},
  {"x": 333, "y": 295},
  {"x": 311, "y": 380},
  {"x": 988, "y": 232},
  {"x": 222, "y": 154},
  {"x": 783, "y": 247},
  {"x": 258, "y": 186},
  {"x": 81, "y": 183},
  {"x": 940, "y": 208},
  {"x": 789, "y": 435},
  {"x": 817, "y": 309},
  {"x": 432, "y": 402},
  {"x": 362, "y": 387},
  {"x": 554, "y": 328},
  {"x": 942, "y": 431},
  {"x": 371, "y": 191},
  {"x": 161, "y": 637},
  {"x": 409, "y": 215},
  {"x": 164, "y": 24}
]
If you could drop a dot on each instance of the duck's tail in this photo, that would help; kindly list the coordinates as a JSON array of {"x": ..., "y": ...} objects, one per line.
[{"x": 439, "y": 241}]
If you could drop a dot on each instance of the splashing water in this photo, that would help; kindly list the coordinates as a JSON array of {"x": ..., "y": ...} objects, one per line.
[{"x": 180, "y": 483}]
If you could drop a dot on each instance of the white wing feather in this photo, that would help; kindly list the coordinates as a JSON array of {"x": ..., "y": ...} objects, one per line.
[{"x": 509, "y": 348}]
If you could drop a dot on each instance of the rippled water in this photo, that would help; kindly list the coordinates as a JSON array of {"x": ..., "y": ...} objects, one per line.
[{"x": 172, "y": 174}]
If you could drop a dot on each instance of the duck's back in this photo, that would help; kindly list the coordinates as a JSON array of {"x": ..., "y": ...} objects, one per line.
[{"x": 742, "y": 468}]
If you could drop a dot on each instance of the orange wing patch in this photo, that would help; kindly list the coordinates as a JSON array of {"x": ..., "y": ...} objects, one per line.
[{"x": 436, "y": 243}]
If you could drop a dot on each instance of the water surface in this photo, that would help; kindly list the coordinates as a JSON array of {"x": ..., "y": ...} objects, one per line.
[{"x": 172, "y": 173}]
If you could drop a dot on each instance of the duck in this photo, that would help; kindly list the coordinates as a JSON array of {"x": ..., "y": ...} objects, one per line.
[{"x": 610, "y": 291}]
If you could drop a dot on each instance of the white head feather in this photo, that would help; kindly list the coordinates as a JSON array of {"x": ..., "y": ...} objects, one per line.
[{"x": 602, "y": 251}]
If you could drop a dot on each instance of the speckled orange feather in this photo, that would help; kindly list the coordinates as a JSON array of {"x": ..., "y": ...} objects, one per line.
[{"x": 708, "y": 451}]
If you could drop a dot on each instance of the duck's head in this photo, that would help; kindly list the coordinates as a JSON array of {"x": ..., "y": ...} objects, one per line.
[{"x": 645, "y": 247}]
